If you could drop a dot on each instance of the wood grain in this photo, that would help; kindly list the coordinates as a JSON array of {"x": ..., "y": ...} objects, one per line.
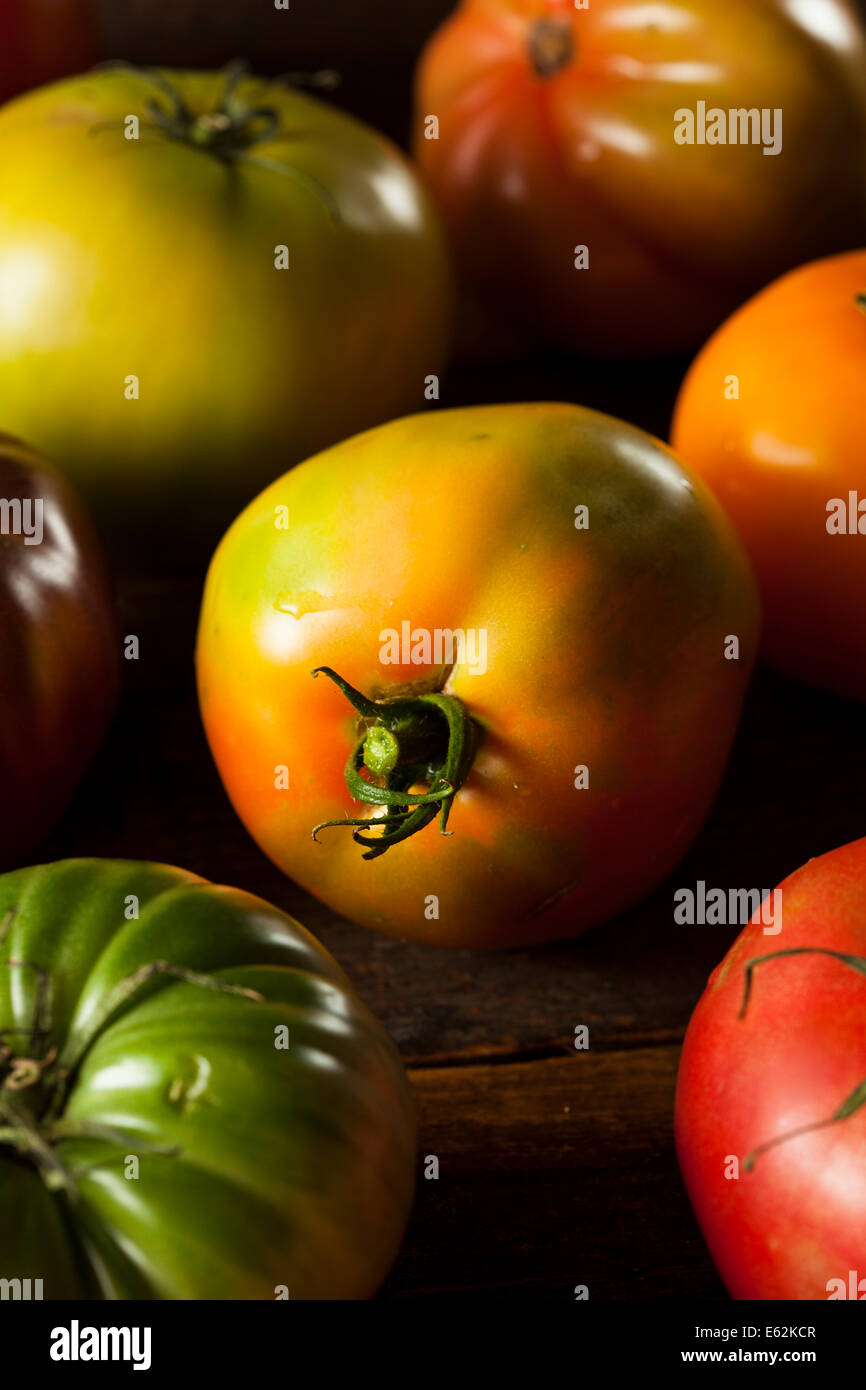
[{"x": 585, "y": 1138}]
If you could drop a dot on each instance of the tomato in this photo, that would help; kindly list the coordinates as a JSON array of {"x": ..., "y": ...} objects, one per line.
[
  {"x": 770, "y": 1113},
  {"x": 59, "y": 643},
  {"x": 41, "y": 40},
  {"x": 531, "y": 606},
  {"x": 194, "y": 1102},
  {"x": 185, "y": 314},
  {"x": 563, "y": 126},
  {"x": 772, "y": 414}
]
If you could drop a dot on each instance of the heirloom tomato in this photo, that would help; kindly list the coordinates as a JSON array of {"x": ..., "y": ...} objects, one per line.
[
  {"x": 203, "y": 278},
  {"x": 194, "y": 1103},
  {"x": 526, "y": 614},
  {"x": 771, "y": 1094},
  {"x": 773, "y": 416},
  {"x": 59, "y": 647},
  {"x": 41, "y": 40},
  {"x": 619, "y": 176}
]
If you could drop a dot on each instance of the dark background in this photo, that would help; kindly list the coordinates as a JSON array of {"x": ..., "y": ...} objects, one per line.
[
  {"x": 373, "y": 44},
  {"x": 557, "y": 1167}
]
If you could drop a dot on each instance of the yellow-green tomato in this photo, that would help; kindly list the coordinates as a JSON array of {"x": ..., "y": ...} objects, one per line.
[
  {"x": 203, "y": 279},
  {"x": 543, "y": 627}
]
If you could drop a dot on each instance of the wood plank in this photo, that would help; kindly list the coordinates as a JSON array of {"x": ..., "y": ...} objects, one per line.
[{"x": 553, "y": 1174}]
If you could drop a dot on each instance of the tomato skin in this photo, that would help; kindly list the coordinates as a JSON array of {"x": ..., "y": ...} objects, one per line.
[
  {"x": 61, "y": 651},
  {"x": 526, "y": 167},
  {"x": 155, "y": 259},
  {"x": 798, "y": 1219},
  {"x": 600, "y": 653},
  {"x": 294, "y": 1166},
  {"x": 777, "y": 455},
  {"x": 41, "y": 40}
]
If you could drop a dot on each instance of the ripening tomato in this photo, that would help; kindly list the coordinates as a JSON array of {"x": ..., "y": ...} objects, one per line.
[
  {"x": 194, "y": 1103},
  {"x": 203, "y": 278},
  {"x": 527, "y": 614},
  {"x": 41, "y": 40},
  {"x": 773, "y": 416},
  {"x": 575, "y": 151},
  {"x": 771, "y": 1094},
  {"x": 59, "y": 647}
]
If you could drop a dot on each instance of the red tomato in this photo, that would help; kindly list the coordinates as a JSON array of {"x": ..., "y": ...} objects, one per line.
[
  {"x": 772, "y": 1085},
  {"x": 773, "y": 416},
  {"x": 41, "y": 40},
  {"x": 560, "y": 127}
]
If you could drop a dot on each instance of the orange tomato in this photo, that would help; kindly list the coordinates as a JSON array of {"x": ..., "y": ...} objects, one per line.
[
  {"x": 595, "y": 587},
  {"x": 773, "y": 415},
  {"x": 559, "y": 127}
]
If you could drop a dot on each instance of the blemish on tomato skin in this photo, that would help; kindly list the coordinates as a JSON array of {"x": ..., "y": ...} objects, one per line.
[
  {"x": 185, "y": 1094},
  {"x": 299, "y": 605}
]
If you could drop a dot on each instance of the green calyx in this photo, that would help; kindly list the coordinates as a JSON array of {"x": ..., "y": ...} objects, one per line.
[
  {"x": 35, "y": 1077},
  {"x": 233, "y": 128},
  {"x": 428, "y": 739},
  {"x": 857, "y": 1097}
]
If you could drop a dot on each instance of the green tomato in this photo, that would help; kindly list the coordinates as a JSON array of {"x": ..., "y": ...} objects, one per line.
[
  {"x": 158, "y": 1138},
  {"x": 205, "y": 278}
]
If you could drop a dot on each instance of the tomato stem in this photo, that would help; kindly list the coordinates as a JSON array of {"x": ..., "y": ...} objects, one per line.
[
  {"x": 857, "y": 1097},
  {"x": 232, "y": 129},
  {"x": 551, "y": 47},
  {"x": 426, "y": 738},
  {"x": 33, "y": 1089},
  {"x": 124, "y": 990},
  {"x": 24, "y": 1134}
]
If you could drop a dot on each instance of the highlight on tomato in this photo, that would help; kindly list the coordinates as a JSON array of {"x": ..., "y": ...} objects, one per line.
[
  {"x": 771, "y": 1093},
  {"x": 773, "y": 416},
  {"x": 59, "y": 647},
  {"x": 616, "y": 177},
  {"x": 205, "y": 277},
  {"x": 532, "y": 630},
  {"x": 194, "y": 1103}
]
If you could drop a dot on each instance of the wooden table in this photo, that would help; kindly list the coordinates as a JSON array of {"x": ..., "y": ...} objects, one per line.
[{"x": 557, "y": 1166}]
